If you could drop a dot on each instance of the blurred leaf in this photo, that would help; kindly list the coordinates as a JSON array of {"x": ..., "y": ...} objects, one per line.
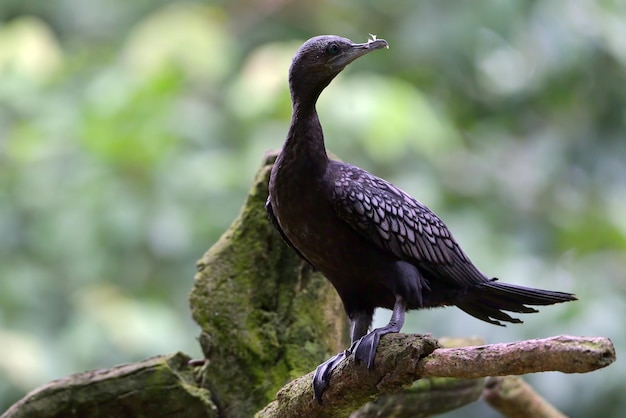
[
  {"x": 389, "y": 116},
  {"x": 189, "y": 36},
  {"x": 131, "y": 130},
  {"x": 29, "y": 48}
]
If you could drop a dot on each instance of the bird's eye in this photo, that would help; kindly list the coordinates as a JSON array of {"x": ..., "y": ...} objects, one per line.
[{"x": 333, "y": 49}]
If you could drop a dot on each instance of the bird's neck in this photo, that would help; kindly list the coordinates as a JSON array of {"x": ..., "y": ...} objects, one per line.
[{"x": 305, "y": 140}]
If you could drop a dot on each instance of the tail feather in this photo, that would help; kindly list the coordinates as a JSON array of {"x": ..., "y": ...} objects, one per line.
[{"x": 487, "y": 301}]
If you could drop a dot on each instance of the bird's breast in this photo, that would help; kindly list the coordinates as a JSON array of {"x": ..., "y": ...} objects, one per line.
[{"x": 306, "y": 217}]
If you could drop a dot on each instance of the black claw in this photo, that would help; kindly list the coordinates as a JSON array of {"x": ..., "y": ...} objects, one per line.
[{"x": 364, "y": 349}]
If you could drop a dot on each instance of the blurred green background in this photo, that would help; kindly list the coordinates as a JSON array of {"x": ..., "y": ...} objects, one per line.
[{"x": 130, "y": 132}]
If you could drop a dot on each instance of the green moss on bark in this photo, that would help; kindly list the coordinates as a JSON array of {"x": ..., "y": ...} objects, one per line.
[
  {"x": 266, "y": 317},
  {"x": 161, "y": 386}
]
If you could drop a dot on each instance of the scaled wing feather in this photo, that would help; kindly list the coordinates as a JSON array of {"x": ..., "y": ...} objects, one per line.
[{"x": 392, "y": 219}]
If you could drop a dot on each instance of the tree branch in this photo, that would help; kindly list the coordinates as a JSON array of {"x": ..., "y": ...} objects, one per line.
[
  {"x": 402, "y": 359},
  {"x": 426, "y": 397},
  {"x": 563, "y": 353},
  {"x": 161, "y": 386},
  {"x": 514, "y": 398}
]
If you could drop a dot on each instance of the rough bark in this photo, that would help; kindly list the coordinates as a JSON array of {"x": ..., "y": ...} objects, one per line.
[
  {"x": 427, "y": 396},
  {"x": 403, "y": 359},
  {"x": 265, "y": 316},
  {"x": 162, "y": 386},
  {"x": 564, "y": 353}
]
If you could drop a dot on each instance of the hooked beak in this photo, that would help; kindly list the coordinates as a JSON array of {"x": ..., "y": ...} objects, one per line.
[
  {"x": 357, "y": 51},
  {"x": 371, "y": 45}
]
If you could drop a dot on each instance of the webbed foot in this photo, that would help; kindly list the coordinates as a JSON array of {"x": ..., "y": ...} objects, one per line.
[
  {"x": 365, "y": 348},
  {"x": 322, "y": 374}
]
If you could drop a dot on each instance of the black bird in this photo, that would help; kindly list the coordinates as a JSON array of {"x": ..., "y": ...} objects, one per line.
[{"x": 377, "y": 245}]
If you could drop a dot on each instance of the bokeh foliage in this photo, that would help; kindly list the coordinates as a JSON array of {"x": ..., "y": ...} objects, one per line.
[{"x": 130, "y": 131}]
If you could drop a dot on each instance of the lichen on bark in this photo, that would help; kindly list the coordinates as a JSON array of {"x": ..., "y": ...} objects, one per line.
[
  {"x": 162, "y": 386},
  {"x": 266, "y": 316}
]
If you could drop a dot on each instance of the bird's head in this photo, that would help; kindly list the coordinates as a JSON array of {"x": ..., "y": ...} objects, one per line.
[{"x": 320, "y": 59}]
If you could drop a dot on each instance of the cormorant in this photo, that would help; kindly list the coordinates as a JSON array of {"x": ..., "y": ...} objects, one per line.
[{"x": 377, "y": 245}]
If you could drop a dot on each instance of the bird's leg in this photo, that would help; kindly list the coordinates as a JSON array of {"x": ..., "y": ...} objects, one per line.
[
  {"x": 365, "y": 349},
  {"x": 359, "y": 324}
]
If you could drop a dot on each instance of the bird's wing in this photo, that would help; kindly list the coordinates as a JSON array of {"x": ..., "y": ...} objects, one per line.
[
  {"x": 392, "y": 219},
  {"x": 276, "y": 225}
]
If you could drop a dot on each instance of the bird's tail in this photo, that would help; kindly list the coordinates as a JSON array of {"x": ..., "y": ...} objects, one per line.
[{"x": 488, "y": 300}]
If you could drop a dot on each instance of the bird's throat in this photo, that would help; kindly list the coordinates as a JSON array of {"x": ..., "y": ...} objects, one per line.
[{"x": 304, "y": 145}]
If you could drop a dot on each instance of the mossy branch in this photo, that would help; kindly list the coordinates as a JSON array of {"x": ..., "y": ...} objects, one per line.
[
  {"x": 402, "y": 359},
  {"x": 161, "y": 386}
]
